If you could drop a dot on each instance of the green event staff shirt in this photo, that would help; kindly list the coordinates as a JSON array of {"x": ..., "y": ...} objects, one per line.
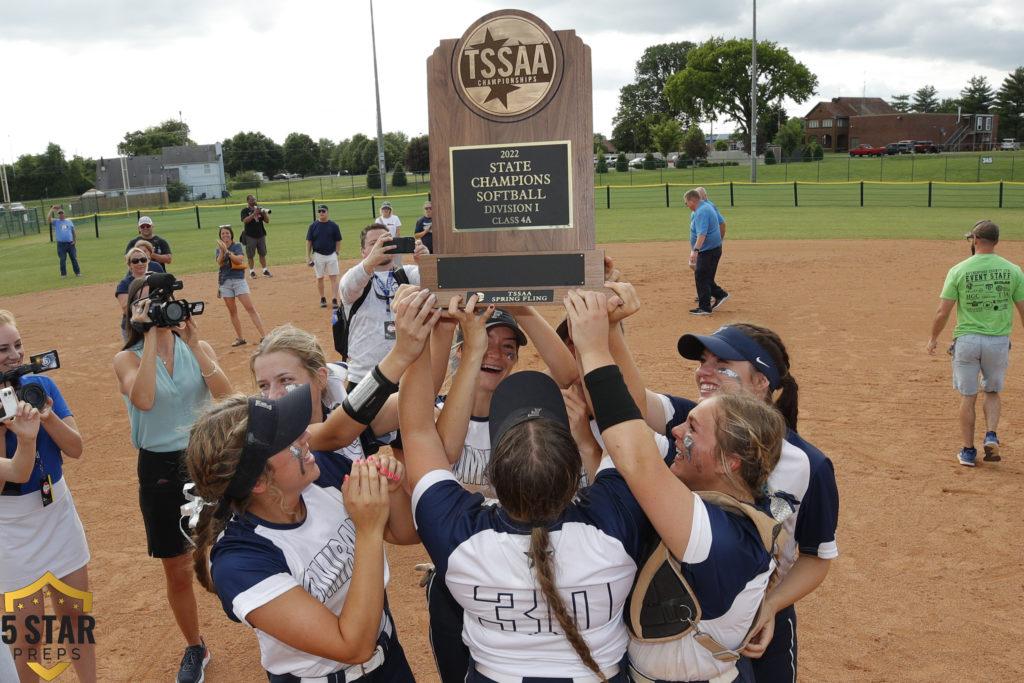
[{"x": 985, "y": 288}]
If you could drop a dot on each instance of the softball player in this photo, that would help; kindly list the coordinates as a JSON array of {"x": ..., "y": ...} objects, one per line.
[
  {"x": 511, "y": 566},
  {"x": 755, "y": 359}
]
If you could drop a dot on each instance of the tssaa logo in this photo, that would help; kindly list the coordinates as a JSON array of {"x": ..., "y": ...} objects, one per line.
[
  {"x": 49, "y": 643},
  {"x": 506, "y": 65}
]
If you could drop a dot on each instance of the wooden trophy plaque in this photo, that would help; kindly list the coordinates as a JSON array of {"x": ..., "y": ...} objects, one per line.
[{"x": 511, "y": 170}]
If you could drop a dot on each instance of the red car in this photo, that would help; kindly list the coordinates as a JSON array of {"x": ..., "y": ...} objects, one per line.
[{"x": 867, "y": 151}]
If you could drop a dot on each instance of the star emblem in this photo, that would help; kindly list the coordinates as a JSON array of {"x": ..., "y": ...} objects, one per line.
[{"x": 498, "y": 92}]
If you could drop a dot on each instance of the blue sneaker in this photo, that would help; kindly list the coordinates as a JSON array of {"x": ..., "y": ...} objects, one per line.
[
  {"x": 992, "y": 448},
  {"x": 966, "y": 456},
  {"x": 193, "y": 663}
]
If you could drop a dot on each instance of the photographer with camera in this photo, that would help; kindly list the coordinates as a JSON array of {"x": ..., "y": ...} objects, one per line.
[
  {"x": 41, "y": 529},
  {"x": 231, "y": 283},
  {"x": 167, "y": 375},
  {"x": 254, "y": 236}
]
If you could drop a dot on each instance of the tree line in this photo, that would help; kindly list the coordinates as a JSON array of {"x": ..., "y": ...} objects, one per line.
[
  {"x": 677, "y": 85},
  {"x": 50, "y": 174}
]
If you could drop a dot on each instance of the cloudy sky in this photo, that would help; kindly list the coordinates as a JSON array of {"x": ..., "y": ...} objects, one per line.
[{"x": 82, "y": 73}]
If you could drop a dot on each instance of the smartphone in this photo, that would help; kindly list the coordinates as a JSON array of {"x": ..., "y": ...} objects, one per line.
[
  {"x": 8, "y": 404},
  {"x": 404, "y": 245}
]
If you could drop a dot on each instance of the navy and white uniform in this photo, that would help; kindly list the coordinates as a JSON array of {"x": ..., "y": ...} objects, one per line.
[
  {"x": 728, "y": 568},
  {"x": 255, "y": 561},
  {"x": 809, "y": 478},
  {"x": 481, "y": 553}
]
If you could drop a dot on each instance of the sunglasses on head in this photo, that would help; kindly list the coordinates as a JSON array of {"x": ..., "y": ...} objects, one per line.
[{"x": 140, "y": 260}]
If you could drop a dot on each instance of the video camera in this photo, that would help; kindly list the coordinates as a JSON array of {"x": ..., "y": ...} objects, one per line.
[
  {"x": 164, "y": 309},
  {"x": 31, "y": 393}
]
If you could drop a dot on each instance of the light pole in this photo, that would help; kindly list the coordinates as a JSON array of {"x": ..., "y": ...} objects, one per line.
[
  {"x": 380, "y": 132},
  {"x": 753, "y": 101}
]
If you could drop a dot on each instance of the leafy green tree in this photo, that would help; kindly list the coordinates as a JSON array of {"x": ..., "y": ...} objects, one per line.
[
  {"x": 900, "y": 103},
  {"x": 602, "y": 163},
  {"x": 977, "y": 97},
  {"x": 948, "y": 105},
  {"x": 790, "y": 136},
  {"x": 170, "y": 133},
  {"x": 925, "y": 100},
  {"x": 600, "y": 143},
  {"x": 694, "y": 144},
  {"x": 301, "y": 154},
  {"x": 245, "y": 180},
  {"x": 359, "y": 153},
  {"x": 642, "y": 103},
  {"x": 325, "y": 152},
  {"x": 716, "y": 82},
  {"x": 48, "y": 174},
  {"x": 667, "y": 136},
  {"x": 398, "y": 177},
  {"x": 1009, "y": 104},
  {"x": 417, "y": 154},
  {"x": 373, "y": 177},
  {"x": 649, "y": 163},
  {"x": 769, "y": 158},
  {"x": 252, "y": 151},
  {"x": 721, "y": 146},
  {"x": 395, "y": 144},
  {"x": 621, "y": 163}
]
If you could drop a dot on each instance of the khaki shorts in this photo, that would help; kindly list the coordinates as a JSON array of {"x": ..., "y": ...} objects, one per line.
[
  {"x": 325, "y": 263},
  {"x": 980, "y": 353}
]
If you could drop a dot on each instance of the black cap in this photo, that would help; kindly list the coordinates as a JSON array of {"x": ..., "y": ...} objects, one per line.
[
  {"x": 500, "y": 317},
  {"x": 273, "y": 425},
  {"x": 523, "y": 396}
]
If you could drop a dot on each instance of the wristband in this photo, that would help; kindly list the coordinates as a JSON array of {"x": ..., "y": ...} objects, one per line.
[
  {"x": 369, "y": 396},
  {"x": 611, "y": 399}
]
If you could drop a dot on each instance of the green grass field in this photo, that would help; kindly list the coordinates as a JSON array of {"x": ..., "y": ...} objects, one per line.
[{"x": 30, "y": 264}]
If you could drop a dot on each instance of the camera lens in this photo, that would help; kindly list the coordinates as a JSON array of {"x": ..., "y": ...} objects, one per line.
[
  {"x": 33, "y": 394},
  {"x": 174, "y": 312}
]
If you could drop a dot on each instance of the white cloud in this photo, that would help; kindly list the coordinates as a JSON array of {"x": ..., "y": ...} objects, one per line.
[{"x": 83, "y": 73}]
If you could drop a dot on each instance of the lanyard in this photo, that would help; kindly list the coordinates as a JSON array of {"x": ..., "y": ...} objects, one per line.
[{"x": 386, "y": 288}]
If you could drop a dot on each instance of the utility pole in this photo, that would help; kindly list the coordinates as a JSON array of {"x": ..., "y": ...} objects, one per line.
[
  {"x": 380, "y": 131},
  {"x": 753, "y": 101}
]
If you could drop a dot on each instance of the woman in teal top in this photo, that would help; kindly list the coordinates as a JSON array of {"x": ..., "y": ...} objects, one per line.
[{"x": 167, "y": 376}]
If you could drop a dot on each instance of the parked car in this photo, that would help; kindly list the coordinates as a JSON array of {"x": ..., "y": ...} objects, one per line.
[
  {"x": 1009, "y": 144},
  {"x": 892, "y": 148},
  {"x": 867, "y": 151},
  {"x": 638, "y": 162},
  {"x": 281, "y": 176},
  {"x": 18, "y": 206},
  {"x": 906, "y": 146},
  {"x": 925, "y": 147}
]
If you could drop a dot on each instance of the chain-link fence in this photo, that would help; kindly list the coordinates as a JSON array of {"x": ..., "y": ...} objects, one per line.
[{"x": 19, "y": 223}]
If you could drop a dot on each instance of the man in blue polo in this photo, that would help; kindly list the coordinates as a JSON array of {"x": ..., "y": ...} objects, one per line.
[
  {"x": 64, "y": 233},
  {"x": 705, "y": 253}
]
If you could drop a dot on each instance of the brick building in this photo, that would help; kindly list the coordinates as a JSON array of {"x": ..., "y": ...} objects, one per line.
[{"x": 847, "y": 122}]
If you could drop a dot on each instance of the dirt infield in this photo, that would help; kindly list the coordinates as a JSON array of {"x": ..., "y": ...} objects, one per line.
[{"x": 930, "y": 579}]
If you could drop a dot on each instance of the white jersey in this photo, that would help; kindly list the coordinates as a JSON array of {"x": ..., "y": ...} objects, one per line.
[
  {"x": 471, "y": 467},
  {"x": 254, "y": 561},
  {"x": 480, "y": 552},
  {"x": 728, "y": 568},
  {"x": 367, "y": 341}
]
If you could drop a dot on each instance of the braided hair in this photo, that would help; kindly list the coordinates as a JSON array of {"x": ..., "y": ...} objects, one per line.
[
  {"x": 535, "y": 470},
  {"x": 214, "y": 452}
]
